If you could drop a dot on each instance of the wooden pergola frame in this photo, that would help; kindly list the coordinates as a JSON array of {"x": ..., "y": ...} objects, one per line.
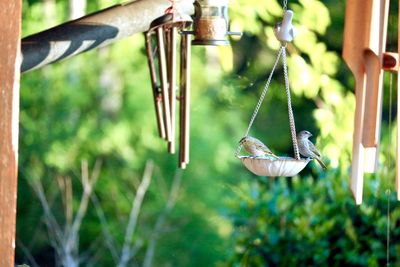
[
  {"x": 364, "y": 51},
  {"x": 10, "y": 28}
]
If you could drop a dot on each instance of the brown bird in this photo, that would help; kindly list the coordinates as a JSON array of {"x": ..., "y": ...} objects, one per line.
[
  {"x": 307, "y": 149},
  {"x": 255, "y": 147}
]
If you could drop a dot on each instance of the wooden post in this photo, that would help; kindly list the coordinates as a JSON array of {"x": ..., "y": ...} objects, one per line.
[{"x": 10, "y": 28}]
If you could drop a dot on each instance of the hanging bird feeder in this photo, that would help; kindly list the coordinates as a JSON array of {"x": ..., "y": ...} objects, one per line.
[{"x": 280, "y": 166}]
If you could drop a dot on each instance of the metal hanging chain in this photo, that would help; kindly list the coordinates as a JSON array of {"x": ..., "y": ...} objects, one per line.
[
  {"x": 264, "y": 91},
  {"x": 289, "y": 101},
  {"x": 282, "y": 51},
  {"x": 261, "y": 98}
]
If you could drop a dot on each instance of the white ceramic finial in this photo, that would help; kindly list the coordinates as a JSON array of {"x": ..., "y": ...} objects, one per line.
[{"x": 284, "y": 31}]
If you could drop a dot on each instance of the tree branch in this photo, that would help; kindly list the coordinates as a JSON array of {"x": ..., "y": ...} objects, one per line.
[
  {"x": 71, "y": 243},
  {"x": 27, "y": 253},
  {"x": 51, "y": 223},
  {"x": 173, "y": 194},
  {"x": 105, "y": 228},
  {"x": 134, "y": 214}
]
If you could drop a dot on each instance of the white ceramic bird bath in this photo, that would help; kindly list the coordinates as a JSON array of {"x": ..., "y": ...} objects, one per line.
[{"x": 284, "y": 166}]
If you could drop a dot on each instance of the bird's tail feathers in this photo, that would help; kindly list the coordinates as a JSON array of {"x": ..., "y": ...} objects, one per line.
[
  {"x": 321, "y": 163},
  {"x": 274, "y": 156}
]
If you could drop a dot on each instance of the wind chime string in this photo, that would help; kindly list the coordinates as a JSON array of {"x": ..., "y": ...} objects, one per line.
[
  {"x": 388, "y": 192},
  {"x": 391, "y": 45}
]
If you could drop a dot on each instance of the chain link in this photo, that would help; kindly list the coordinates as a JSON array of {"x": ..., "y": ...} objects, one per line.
[
  {"x": 290, "y": 110},
  {"x": 261, "y": 99},
  {"x": 264, "y": 92},
  {"x": 282, "y": 52},
  {"x": 239, "y": 148}
]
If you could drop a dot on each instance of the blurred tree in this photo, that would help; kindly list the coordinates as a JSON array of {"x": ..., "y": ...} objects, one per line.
[{"x": 99, "y": 106}]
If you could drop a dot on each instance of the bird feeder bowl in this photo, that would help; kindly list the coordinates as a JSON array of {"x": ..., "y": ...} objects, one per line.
[
  {"x": 284, "y": 166},
  {"x": 211, "y": 22}
]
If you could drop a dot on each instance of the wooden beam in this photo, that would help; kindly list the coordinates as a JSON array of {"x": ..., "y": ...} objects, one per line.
[
  {"x": 10, "y": 28},
  {"x": 374, "y": 47},
  {"x": 355, "y": 21}
]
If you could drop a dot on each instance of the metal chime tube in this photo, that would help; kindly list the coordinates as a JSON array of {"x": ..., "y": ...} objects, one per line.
[
  {"x": 156, "y": 93},
  {"x": 172, "y": 84},
  {"x": 164, "y": 82},
  {"x": 166, "y": 31},
  {"x": 184, "y": 118}
]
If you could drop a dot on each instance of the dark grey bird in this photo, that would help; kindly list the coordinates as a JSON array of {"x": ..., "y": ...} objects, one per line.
[
  {"x": 307, "y": 148},
  {"x": 255, "y": 147}
]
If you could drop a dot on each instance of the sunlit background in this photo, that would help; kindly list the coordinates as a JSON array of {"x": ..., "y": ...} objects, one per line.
[{"x": 95, "y": 113}]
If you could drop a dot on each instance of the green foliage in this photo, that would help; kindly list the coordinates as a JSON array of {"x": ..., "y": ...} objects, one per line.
[
  {"x": 313, "y": 221},
  {"x": 99, "y": 106}
]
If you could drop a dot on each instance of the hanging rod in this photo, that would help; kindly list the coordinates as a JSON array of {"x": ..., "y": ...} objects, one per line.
[{"x": 94, "y": 30}]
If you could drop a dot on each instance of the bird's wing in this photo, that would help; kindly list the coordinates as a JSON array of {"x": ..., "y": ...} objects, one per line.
[
  {"x": 261, "y": 146},
  {"x": 303, "y": 147},
  {"x": 314, "y": 149}
]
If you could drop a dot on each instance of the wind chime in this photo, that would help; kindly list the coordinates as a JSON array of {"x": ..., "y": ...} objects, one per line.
[
  {"x": 273, "y": 166},
  {"x": 210, "y": 28},
  {"x": 364, "y": 51}
]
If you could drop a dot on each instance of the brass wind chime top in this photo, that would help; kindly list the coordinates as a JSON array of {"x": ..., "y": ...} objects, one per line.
[{"x": 211, "y": 23}]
